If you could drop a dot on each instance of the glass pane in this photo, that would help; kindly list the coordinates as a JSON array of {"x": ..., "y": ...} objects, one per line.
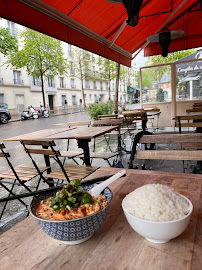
[
  {"x": 189, "y": 81},
  {"x": 156, "y": 84}
]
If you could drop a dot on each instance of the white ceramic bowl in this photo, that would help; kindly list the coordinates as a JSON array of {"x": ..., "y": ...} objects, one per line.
[{"x": 159, "y": 232}]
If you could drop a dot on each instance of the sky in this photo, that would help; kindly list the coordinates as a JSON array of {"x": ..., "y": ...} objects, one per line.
[{"x": 140, "y": 60}]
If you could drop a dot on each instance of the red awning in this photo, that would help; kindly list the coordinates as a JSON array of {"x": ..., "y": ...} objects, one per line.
[{"x": 92, "y": 25}]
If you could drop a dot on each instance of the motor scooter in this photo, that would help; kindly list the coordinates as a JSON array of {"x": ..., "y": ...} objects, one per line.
[
  {"x": 31, "y": 113},
  {"x": 43, "y": 111}
]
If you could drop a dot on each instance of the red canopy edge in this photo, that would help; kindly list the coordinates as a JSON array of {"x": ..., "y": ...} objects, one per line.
[{"x": 43, "y": 18}]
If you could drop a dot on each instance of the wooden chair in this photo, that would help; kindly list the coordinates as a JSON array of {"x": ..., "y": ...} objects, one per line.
[
  {"x": 93, "y": 154},
  {"x": 188, "y": 120},
  {"x": 64, "y": 173},
  {"x": 19, "y": 176},
  {"x": 175, "y": 141}
]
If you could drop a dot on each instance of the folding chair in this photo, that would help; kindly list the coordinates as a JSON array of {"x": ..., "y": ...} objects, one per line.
[
  {"x": 18, "y": 176},
  {"x": 64, "y": 173}
]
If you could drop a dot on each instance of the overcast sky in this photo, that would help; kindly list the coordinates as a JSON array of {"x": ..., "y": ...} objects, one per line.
[{"x": 140, "y": 59}]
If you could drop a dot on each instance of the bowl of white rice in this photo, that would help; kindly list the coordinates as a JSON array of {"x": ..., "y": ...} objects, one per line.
[{"x": 157, "y": 212}]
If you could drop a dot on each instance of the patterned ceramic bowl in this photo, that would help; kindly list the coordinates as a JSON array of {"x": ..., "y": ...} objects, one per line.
[{"x": 75, "y": 231}]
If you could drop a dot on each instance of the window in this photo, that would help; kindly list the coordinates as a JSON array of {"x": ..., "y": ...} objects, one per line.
[
  {"x": 90, "y": 97},
  {"x": 113, "y": 85},
  {"x": 94, "y": 85},
  {"x": 1, "y": 100},
  {"x": 87, "y": 85},
  {"x": 120, "y": 87},
  {"x": 71, "y": 68},
  {"x": 93, "y": 58},
  {"x": 72, "y": 83},
  {"x": 62, "y": 82},
  {"x": 51, "y": 82},
  {"x": 95, "y": 98},
  {"x": 36, "y": 80},
  {"x": 74, "y": 100},
  {"x": 101, "y": 87},
  {"x": 70, "y": 50},
  {"x": 12, "y": 30},
  {"x": 64, "y": 97},
  {"x": 17, "y": 77},
  {"x": 107, "y": 87}
]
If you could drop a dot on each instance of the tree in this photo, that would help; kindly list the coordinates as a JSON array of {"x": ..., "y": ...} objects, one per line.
[
  {"x": 172, "y": 57},
  {"x": 41, "y": 55},
  {"x": 108, "y": 71},
  {"x": 160, "y": 95},
  {"x": 81, "y": 68},
  {"x": 7, "y": 42}
]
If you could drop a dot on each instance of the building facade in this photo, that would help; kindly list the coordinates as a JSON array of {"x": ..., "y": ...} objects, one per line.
[{"x": 19, "y": 90}]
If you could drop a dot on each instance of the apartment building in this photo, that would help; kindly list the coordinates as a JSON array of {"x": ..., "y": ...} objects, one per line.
[{"x": 19, "y": 90}]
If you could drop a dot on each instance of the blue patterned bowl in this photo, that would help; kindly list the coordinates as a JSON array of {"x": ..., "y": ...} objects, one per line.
[{"x": 75, "y": 231}]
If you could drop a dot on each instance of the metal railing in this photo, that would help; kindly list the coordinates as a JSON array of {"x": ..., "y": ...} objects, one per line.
[
  {"x": 36, "y": 83},
  {"x": 18, "y": 82}
]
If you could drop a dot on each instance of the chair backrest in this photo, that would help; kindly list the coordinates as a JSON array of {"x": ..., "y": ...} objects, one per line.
[
  {"x": 195, "y": 109},
  {"x": 77, "y": 124},
  {"x": 109, "y": 116},
  {"x": 171, "y": 139},
  {"x": 41, "y": 151},
  {"x": 2, "y": 152},
  {"x": 108, "y": 122},
  {"x": 191, "y": 121}
]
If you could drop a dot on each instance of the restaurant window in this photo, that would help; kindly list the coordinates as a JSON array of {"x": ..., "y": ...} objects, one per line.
[
  {"x": 62, "y": 82},
  {"x": 156, "y": 84},
  {"x": 17, "y": 77},
  {"x": 72, "y": 83},
  {"x": 189, "y": 81}
]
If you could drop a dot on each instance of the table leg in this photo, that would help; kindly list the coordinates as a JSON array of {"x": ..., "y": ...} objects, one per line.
[
  {"x": 47, "y": 162},
  {"x": 84, "y": 145}
]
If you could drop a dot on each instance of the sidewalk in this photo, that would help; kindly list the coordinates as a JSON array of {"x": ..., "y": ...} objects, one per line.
[{"x": 15, "y": 118}]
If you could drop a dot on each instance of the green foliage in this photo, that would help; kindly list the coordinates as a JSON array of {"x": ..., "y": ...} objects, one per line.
[
  {"x": 40, "y": 55},
  {"x": 7, "y": 42},
  {"x": 160, "y": 95},
  {"x": 100, "y": 109}
]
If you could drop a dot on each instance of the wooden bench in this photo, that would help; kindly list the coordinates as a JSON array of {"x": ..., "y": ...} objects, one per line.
[
  {"x": 194, "y": 120},
  {"x": 179, "y": 141}
]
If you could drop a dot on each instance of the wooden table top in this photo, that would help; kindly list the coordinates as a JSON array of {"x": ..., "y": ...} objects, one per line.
[
  {"x": 115, "y": 245},
  {"x": 64, "y": 133}
]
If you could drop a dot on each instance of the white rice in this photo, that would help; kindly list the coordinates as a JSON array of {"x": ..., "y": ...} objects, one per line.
[{"x": 156, "y": 202}]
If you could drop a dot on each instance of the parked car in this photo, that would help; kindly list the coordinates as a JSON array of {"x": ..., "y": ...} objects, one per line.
[{"x": 5, "y": 116}]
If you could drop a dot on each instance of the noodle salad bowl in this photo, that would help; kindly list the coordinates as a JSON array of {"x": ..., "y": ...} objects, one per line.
[{"x": 73, "y": 231}]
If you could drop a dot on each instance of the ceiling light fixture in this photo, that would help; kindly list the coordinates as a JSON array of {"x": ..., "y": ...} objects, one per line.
[{"x": 164, "y": 39}]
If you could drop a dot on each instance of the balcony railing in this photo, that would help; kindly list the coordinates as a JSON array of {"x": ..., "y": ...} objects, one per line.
[
  {"x": 36, "y": 83},
  {"x": 18, "y": 82},
  {"x": 52, "y": 85},
  {"x": 62, "y": 85}
]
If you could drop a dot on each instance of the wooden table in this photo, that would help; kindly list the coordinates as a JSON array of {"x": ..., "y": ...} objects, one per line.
[
  {"x": 83, "y": 135},
  {"x": 115, "y": 246}
]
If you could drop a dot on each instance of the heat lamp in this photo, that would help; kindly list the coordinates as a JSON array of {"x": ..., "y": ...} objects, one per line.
[
  {"x": 164, "y": 39},
  {"x": 132, "y": 7}
]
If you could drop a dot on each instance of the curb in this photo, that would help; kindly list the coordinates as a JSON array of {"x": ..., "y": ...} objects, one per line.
[{"x": 15, "y": 120}]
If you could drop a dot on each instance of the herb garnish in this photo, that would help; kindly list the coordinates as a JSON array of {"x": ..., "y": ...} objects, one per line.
[{"x": 70, "y": 197}]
